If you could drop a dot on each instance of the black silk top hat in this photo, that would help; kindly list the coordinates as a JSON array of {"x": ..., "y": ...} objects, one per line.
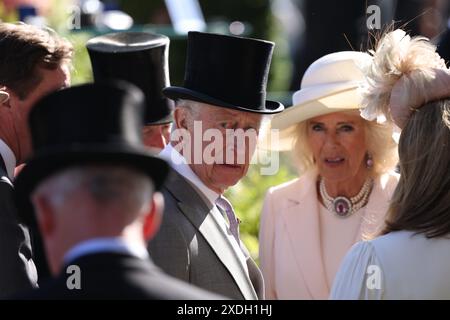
[
  {"x": 227, "y": 71},
  {"x": 140, "y": 58},
  {"x": 86, "y": 125}
]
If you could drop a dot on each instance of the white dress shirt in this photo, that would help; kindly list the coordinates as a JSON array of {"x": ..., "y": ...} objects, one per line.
[
  {"x": 98, "y": 245},
  {"x": 179, "y": 164}
]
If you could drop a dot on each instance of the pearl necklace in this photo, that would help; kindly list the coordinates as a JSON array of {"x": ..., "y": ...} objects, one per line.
[{"x": 342, "y": 206}]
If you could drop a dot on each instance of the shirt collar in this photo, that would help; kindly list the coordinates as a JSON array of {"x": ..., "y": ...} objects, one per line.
[
  {"x": 97, "y": 245},
  {"x": 8, "y": 158},
  {"x": 179, "y": 164}
]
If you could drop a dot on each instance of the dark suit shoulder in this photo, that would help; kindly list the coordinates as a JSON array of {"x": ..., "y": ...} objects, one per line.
[
  {"x": 7, "y": 206},
  {"x": 17, "y": 270},
  {"x": 117, "y": 276}
]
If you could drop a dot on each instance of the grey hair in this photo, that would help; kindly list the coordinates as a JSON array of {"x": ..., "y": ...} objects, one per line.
[
  {"x": 191, "y": 106},
  {"x": 107, "y": 185}
]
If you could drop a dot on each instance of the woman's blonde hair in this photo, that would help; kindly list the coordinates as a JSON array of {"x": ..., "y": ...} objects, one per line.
[
  {"x": 421, "y": 201},
  {"x": 379, "y": 141}
]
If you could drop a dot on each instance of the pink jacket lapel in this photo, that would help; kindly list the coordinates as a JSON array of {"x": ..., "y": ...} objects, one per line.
[{"x": 302, "y": 223}]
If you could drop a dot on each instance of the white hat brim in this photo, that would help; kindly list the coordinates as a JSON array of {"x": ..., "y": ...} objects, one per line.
[
  {"x": 345, "y": 98},
  {"x": 313, "y": 102}
]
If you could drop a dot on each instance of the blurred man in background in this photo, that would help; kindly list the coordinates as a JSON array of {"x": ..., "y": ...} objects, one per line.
[
  {"x": 33, "y": 63},
  {"x": 142, "y": 59}
]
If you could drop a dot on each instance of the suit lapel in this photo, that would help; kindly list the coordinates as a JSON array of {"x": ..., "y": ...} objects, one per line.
[
  {"x": 256, "y": 277},
  {"x": 301, "y": 219},
  {"x": 202, "y": 218}
]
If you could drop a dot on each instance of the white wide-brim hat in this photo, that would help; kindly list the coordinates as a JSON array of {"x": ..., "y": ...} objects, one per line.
[{"x": 330, "y": 84}]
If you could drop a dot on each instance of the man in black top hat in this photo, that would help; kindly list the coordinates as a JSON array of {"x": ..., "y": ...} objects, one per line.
[
  {"x": 142, "y": 59},
  {"x": 224, "y": 93},
  {"x": 33, "y": 62},
  {"x": 94, "y": 188}
]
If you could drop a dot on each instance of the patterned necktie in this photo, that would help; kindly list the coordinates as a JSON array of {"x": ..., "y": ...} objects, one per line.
[{"x": 226, "y": 206}]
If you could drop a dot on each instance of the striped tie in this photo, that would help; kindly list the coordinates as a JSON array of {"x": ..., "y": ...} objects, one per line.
[{"x": 226, "y": 206}]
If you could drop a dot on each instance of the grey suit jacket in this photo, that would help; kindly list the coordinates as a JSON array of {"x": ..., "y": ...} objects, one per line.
[
  {"x": 17, "y": 270},
  {"x": 191, "y": 246}
]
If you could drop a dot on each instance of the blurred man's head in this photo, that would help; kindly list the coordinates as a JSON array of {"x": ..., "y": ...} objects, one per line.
[
  {"x": 33, "y": 63},
  {"x": 98, "y": 201}
]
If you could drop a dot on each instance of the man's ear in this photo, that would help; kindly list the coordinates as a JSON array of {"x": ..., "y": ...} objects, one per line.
[
  {"x": 4, "y": 97},
  {"x": 45, "y": 215},
  {"x": 153, "y": 219},
  {"x": 179, "y": 118}
]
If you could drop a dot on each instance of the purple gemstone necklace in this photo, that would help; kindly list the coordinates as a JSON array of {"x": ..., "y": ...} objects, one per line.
[{"x": 343, "y": 206}]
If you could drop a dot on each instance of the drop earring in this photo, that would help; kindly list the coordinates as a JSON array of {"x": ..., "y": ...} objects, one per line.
[{"x": 369, "y": 161}]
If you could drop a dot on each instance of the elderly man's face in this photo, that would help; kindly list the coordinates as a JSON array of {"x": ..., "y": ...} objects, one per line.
[{"x": 236, "y": 155}]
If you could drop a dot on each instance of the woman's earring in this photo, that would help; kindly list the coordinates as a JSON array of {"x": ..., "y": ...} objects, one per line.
[{"x": 369, "y": 161}]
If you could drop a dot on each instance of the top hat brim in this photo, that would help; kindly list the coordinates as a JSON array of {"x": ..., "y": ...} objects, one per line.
[
  {"x": 45, "y": 164},
  {"x": 175, "y": 93},
  {"x": 167, "y": 119}
]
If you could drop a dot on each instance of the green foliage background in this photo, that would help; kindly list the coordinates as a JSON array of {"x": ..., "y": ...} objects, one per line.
[{"x": 248, "y": 195}]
